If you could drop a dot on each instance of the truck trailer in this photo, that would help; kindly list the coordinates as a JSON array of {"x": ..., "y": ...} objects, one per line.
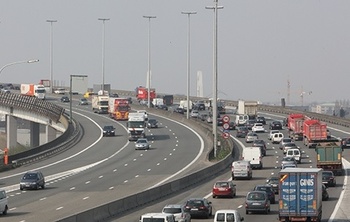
[
  {"x": 300, "y": 194},
  {"x": 34, "y": 90},
  {"x": 295, "y": 125},
  {"x": 249, "y": 108},
  {"x": 142, "y": 93},
  {"x": 99, "y": 104},
  {"x": 314, "y": 130},
  {"x": 136, "y": 126},
  {"x": 118, "y": 108},
  {"x": 329, "y": 156}
]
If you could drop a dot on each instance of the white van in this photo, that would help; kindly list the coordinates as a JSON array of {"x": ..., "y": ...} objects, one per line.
[
  {"x": 241, "y": 119},
  {"x": 157, "y": 217},
  {"x": 241, "y": 169},
  {"x": 254, "y": 156},
  {"x": 294, "y": 152},
  {"x": 277, "y": 137},
  {"x": 3, "y": 202},
  {"x": 228, "y": 216}
]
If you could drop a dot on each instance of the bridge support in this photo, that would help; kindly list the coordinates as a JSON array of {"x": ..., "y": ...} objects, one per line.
[
  {"x": 50, "y": 134},
  {"x": 11, "y": 131},
  {"x": 34, "y": 134}
]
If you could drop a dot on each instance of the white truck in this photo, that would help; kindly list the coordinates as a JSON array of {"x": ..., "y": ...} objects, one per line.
[
  {"x": 99, "y": 104},
  {"x": 183, "y": 104},
  {"x": 37, "y": 91},
  {"x": 249, "y": 108},
  {"x": 157, "y": 102},
  {"x": 136, "y": 126}
]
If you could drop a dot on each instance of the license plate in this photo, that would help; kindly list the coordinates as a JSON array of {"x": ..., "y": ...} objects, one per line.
[
  {"x": 222, "y": 189},
  {"x": 194, "y": 209},
  {"x": 256, "y": 204}
]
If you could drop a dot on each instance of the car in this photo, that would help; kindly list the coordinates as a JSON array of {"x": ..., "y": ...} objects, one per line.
[
  {"x": 288, "y": 146},
  {"x": 83, "y": 101},
  {"x": 260, "y": 143},
  {"x": 199, "y": 106},
  {"x": 276, "y": 137},
  {"x": 65, "y": 99},
  {"x": 108, "y": 130},
  {"x": 258, "y": 128},
  {"x": 287, "y": 161},
  {"x": 261, "y": 119},
  {"x": 325, "y": 195},
  {"x": 114, "y": 95},
  {"x": 3, "y": 202},
  {"x": 294, "y": 152},
  {"x": 250, "y": 137},
  {"x": 178, "y": 211},
  {"x": 203, "y": 116},
  {"x": 199, "y": 207},
  {"x": 345, "y": 142},
  {"x": 179, "y": 110},
  {"x": 32, "y": 180},
  {"x": 242, "y": 131},
  {"x": 232, "y": 125},
  {"x": 152, "y": 123},
  {"x": 275, "y": 125},
  {"x": 285, "y": 141},
  {"x": 329, "y": 134},
  {"x": 274, "y": 183},
  {"x": 268, "y": 189},
  {"x": 142, "y": 144},
  {"x": 328, "y": 179},
  {"x": 163, "y": 107},
  {"x": 194, "y": 114},
  {"x": 224, "y": 189},
  {"x": 250, "y": 123},
  {"x": 257, "y": 201},
  {"x": 228, "y": 216},
  {"x": 60, "y": 91},
  {"x": 271, "y": 133},
  {"x": 289, "y": 165}
]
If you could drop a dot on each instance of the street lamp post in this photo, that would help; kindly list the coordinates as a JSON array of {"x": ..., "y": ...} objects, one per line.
[
  {"x": 188, "y": 61},
  {"x": 215, "y": 71},
  {"x": 19, "y": 62},
  {"x": 51, "y": 53},
  {"x": 149, "y": 60},
  {"x": 103, "y": 53}
]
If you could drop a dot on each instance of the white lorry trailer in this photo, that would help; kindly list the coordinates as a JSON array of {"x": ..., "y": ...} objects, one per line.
[
  {"x": 34, "y": 90},
  {"x": 99, "y": 104},
  {"x": 249, "y": 108},
  {"x": 136, "y": 126}
]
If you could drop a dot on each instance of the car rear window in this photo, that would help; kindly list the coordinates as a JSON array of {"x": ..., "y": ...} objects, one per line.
[
  {"x": 256, "y": 196},
  {"x": 221, "y": 184},
  {"x": 172, "y": 210},
  {"x": 195, "y": 203}
]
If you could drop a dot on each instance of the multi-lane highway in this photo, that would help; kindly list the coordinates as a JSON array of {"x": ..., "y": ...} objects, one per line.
[
  {"x": 102, "y": 169},
  {"x": 271, "y": 166}
]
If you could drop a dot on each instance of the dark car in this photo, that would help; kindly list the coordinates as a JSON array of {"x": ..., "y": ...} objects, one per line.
[
  {"x": 108, "y": 131},
  {"x": 83, "y": 101},
  {"x": 261, "y": 119},
  {"x": 275, "y": 125},
  {"x": 32, "y": 180},
  {"x": 179, "y": 110},
  {"x": 328, "y": 179},
  {"x": 242, "y": 132},
  {"x": 152, "y": 123},
  {"x": 199, "y": 207},
  {"x": 257, "y": 201},
  {"x": 232, "y": 125},
  {"x": 250, "y": 123},
  {"x": 163, "y": 107},
  {"x": 268, "y": 189},
  {"x": 345, "y": 142},
  {"x": 262, "y": 145},
  {"x": 274, "y": 183},
  {"x": 65, "y": 99},
  {"x": 325, "y": 195}
]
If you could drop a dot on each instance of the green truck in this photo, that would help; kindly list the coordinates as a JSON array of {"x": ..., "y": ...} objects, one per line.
[{"x": 329, "y": 155}]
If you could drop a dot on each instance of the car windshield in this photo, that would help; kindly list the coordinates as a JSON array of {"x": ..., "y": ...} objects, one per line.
[
  {"x": 152, "y": 121},
  {"x": 30, "y": 176},
  {"x": 172, "y": 210},
  {"x": 256, "y": 196},
  {"x": 327, "y": 174},
  {"x": 141, "y": 141}
]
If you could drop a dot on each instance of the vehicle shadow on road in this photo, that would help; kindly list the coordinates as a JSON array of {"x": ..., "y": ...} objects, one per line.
[{"x": 160, "y": 137}]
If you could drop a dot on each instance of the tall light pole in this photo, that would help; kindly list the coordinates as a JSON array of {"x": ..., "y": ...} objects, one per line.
[
  {"x": 103, "y": 53},
  {"x": 19, "y": 62},
  {"x": 215, "y": 71},
  {"x": 51, "y": 53},
  {"x": 149, "y": 17},
  {"x": 188, "y": 61}
]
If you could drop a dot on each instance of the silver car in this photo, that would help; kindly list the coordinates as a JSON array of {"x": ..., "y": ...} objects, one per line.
[
  {"x": 251, "y": 137},
  {"x": 142, "y": 144},
  {"x": 287, "y": 161},
  {"x": 178, "y": 211}
]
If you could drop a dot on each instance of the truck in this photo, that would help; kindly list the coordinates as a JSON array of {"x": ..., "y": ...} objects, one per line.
[
  {"x": 142, "y": 93},
  {"x": 157, "y": 102},
  {"x": 300, "y": 194},
  {"x": 34, "y": 90},
  {"x": 249, "y": 108},
  {"x": 136, "y": 126},
  {"x": 329, "y": 155},
  {"x": 118, "y": 108},
  {"x": 99, "y": 104},
  {"x": 314, "y": 130},
  {"x": 295, "y": 125},
  {"x": 168, "y": 100},
  {"x": 46, "y": 83},
  {"x": 183, "y": 105}
]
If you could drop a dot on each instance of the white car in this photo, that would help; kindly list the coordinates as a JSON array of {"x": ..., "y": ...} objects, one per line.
[
  {"x": 272, "y": 132},
  {"x": 60, "y": 91},
  {"x": 142, "y": 144},
  {"x": 258, "y": 128},
  {"x": 194, "y": 114},
  {"x": 3, "y": 202},
  {"x": 178, "y": 211},
  {"x": 277, "y": 137}
]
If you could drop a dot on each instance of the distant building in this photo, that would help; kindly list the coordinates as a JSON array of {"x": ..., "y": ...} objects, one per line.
[{"x": 325, "y": 108}]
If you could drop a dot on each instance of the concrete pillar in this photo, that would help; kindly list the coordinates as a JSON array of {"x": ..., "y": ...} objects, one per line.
[
  {"x": 50, "y": 134},
  {"x": 34, "y": 134},
  {"x": 11, "y": 131}
]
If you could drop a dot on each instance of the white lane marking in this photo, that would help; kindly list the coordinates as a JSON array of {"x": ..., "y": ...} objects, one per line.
[
  {"x": 111, "y": 188},
  {"x": 85, "y": 198},
  {"x": 149, "y": 170},
  {"x": 87, "y": 182},
  {"x": 72, "y": 188},
  {"x": 59, "y": 208},
  {"x": 44, "y": 198},
  {"x": 100, "y": 177}
]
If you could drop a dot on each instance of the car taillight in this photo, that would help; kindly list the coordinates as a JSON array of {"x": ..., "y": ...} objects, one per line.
[{"x": 203, "y": 208}]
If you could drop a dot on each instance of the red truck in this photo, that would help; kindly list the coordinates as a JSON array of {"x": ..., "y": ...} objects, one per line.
[
  {"x": 295, "y": 126},
  {"x": 118, "y": 108},
  {"x": 314, "y": 131},
  {"x": 142, "y": 93}
]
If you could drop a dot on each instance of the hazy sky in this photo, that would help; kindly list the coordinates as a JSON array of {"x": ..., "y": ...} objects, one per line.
[{"x": 261, "y": 45}]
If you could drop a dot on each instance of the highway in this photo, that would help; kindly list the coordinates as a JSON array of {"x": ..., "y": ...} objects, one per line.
[
  {"x": 271, "y": 166},
  {"x": 102, "y": 169}
]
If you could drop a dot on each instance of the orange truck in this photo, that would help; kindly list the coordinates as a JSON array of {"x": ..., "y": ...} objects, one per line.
[
  {"x": 34, "y": 90},
  {"x": 295, "y": 125},
  {"x": 315, "y": 131},
  {"x": 118, "y": 108}
]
